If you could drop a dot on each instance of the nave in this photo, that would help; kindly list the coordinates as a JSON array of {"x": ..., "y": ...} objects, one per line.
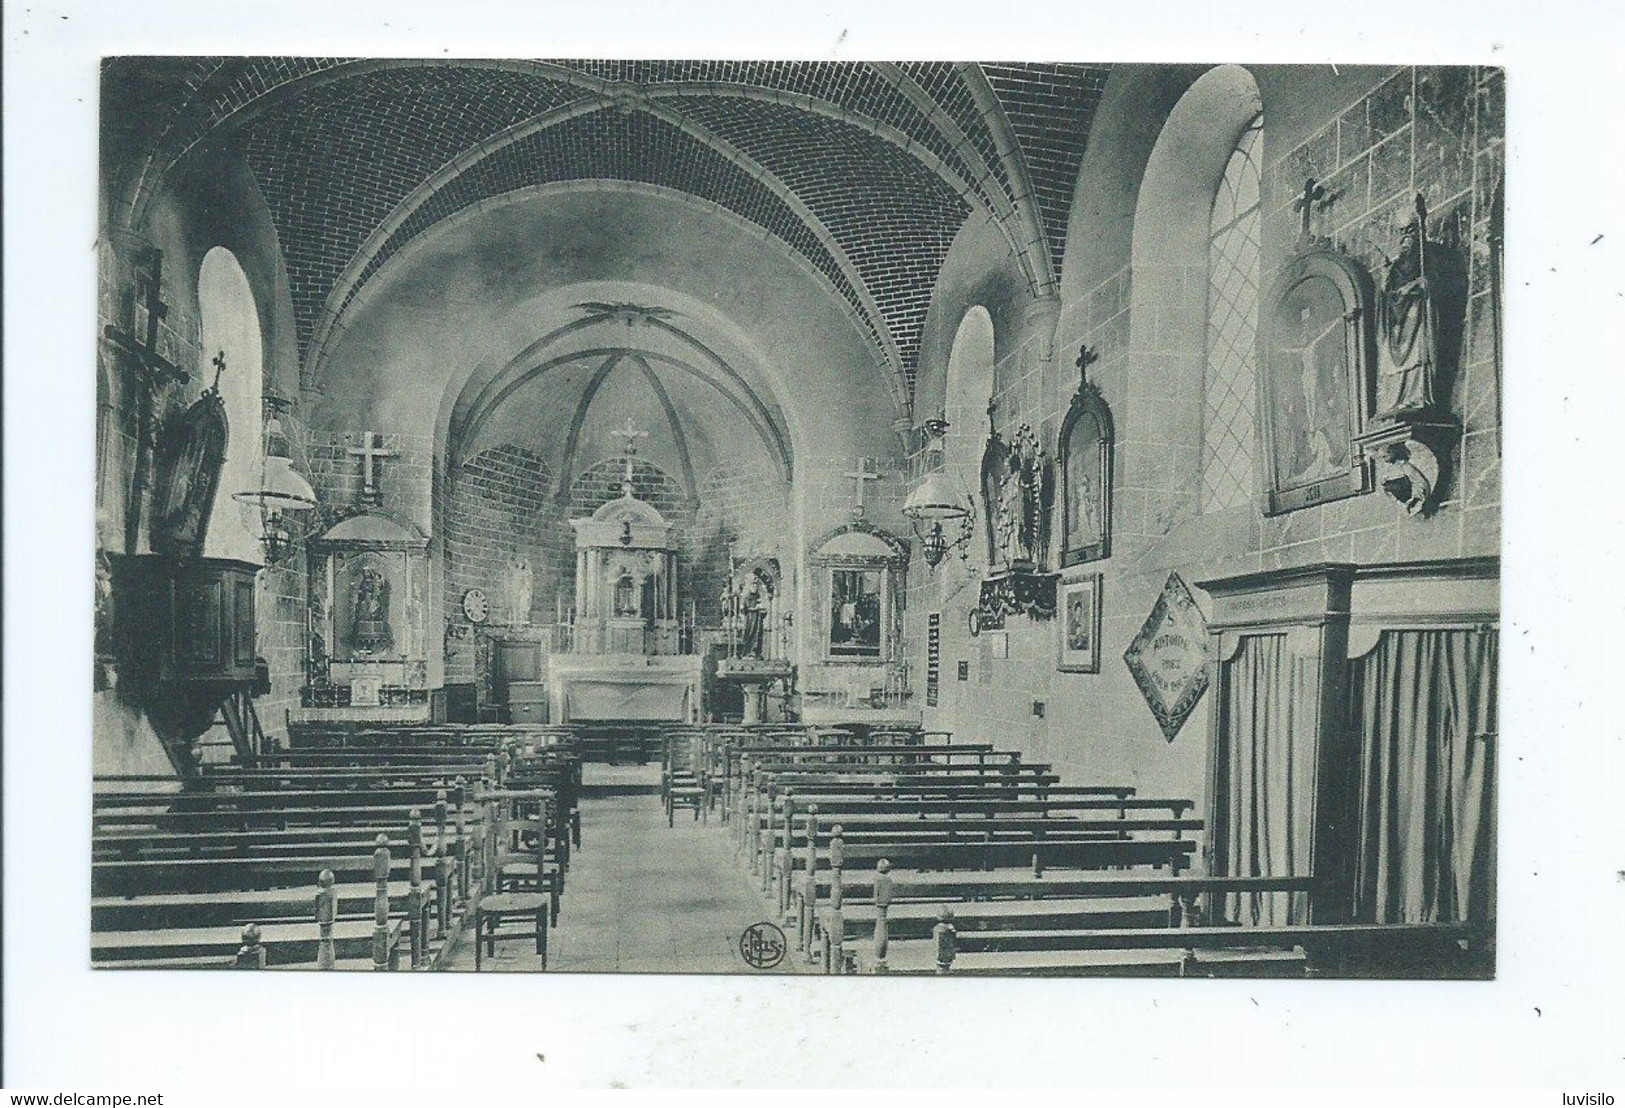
[{"x": 646, "y": 898}]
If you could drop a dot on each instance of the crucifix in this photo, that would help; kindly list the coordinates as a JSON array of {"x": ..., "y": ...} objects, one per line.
[
  {"x": 150, "y": 371},
  {"x": 1313, "y": 194},
  {"x": 371, "y": 451},
  {"x": 860, "y": 475}
]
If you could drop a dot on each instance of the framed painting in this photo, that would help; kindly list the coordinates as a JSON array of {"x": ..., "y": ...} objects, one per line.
[
  {"x": 856, "y": 606},
  {"x": 1085, "y": 448},
  {"x": 859, "y": 574},
  {"x": 1080, "y": 625},
  {"x": 1317, "y": 350}
]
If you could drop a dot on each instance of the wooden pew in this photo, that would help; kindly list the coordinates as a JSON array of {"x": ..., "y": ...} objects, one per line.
[
  {"x": 764, "y": 791},
  {"x": 779, "y": 821},
  {"x": 802, "y": 846},
  {"x": 1434, "y": 950},
  {"x": 841, "y": 906},
  {"x": 180, "y": 867},
  {"x": 321, "y": 935},
  {"x": 1063, "y": 934},
  {"x": 168, "y": 891}
]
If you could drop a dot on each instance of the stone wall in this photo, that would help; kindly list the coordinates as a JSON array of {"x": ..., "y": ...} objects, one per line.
[
  {"x": 500, "y": 508},
  {"x": 1376, "y": 138}
]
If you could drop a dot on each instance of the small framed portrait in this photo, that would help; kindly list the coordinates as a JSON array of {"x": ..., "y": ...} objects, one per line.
[{"x": 1080, "y": 625}]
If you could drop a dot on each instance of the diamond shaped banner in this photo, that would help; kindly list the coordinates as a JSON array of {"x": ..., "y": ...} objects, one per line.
[{"x": 1169, "y": 656}]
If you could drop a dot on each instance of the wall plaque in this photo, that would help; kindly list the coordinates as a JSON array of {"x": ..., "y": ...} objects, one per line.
[
  {"x": 933, "y": 658},
  {"x": 1169, "y": 657}
]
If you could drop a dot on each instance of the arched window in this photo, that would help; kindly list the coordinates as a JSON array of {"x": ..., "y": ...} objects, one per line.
[
  {"x": 969, "y": 388},
  {"x": 231, "y": 327},
  {"x": 1232, "y": 328}
]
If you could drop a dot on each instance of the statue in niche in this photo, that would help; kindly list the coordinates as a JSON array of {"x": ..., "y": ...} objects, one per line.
[
  {"x": 520, "y": 586},
  {"x": 1408, "y": 353},
  {"x": 626, "y": 596},
  {"x": 370, "y": 622}
]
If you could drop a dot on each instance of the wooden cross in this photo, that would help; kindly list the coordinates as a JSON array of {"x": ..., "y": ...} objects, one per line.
[
  {"x": 370, "y": 452},
  {"x": 1312, "y": 194},
  {"x": 859, "y": 476},
  {"x": 150, "y": 370}
]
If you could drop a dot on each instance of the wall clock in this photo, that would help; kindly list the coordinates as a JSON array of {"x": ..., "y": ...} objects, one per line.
[{"x": 476, "y": 606}]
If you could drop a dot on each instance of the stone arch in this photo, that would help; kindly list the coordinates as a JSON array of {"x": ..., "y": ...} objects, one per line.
[
  {"x": 1169, "y": 258},
  {"x": 230, "y": 323}
]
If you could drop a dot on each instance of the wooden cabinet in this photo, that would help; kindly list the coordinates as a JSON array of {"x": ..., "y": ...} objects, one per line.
[{"x": 186, "y": 619}]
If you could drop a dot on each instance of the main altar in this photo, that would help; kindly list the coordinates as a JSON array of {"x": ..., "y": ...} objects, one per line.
[{"x": 628, "y": 658}]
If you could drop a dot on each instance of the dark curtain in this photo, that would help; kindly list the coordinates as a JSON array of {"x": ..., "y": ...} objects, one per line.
[
  {"x": 1268, "y": 789},
  {"x": 1424, "y": 706}
]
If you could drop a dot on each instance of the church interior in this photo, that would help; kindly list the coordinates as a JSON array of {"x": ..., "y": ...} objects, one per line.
[{"x": 814, "y": 517}]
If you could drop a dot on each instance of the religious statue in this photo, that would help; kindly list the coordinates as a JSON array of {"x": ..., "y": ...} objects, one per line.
[
  {"x": 1018, "y": 489},
  {"x": 520, "y": 584},
  {"x": 191, "y": 455},
  {"x": 105, "y": 650},
  {"x": 626, "y": 596},
  {"x": 1407, "y": 355},
  {"x": 369, "y": 618},
  {"x": 753, "y": 603}
]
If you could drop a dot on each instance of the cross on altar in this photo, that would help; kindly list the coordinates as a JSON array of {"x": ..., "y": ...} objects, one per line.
[
  {"x": 370, "y": 452},
  {"x": 859, "y": 476},
  {"x": 150, "y": 370},
  {"x": 631, "y": 434}
]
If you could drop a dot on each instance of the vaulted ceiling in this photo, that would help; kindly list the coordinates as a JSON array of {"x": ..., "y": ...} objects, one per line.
[{"x": 866, "y": 170}]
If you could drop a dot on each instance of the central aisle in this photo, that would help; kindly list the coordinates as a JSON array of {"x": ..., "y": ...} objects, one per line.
[{"x": 642, "y": 897}]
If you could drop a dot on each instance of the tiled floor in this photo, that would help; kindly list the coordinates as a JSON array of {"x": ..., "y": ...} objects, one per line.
[{"x": 642, "y": 897}]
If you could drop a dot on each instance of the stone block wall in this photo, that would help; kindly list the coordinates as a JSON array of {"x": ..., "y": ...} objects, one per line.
[
  {"x": 501, "y": 507},
  {"x": 747, "y": 502},
  {"x": 1430, "y": 130},
  {"x": 404, "y": 478}
]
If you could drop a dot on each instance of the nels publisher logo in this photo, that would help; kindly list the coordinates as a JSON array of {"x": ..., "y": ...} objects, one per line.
[{"x": 762, "y": 945}]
